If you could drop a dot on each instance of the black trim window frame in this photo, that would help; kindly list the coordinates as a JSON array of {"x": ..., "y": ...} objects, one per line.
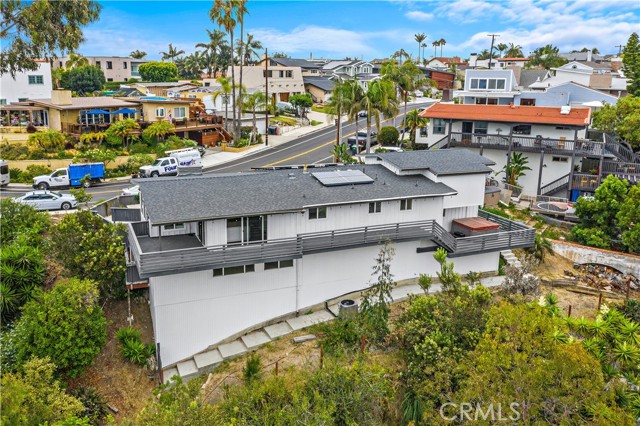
[
  {"x": 375, "y": 207},
  {"x": 406, "y": 204},
  {"x": 317, "y": 213}
]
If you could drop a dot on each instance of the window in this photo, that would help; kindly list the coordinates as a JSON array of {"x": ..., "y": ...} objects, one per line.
[
  {"x": 317, "y": 213},
  {"x": 36, "y": 79},
  {"x": 423, "y": 132},
  {"x": 492, "y": 101},
  {"x": 22, "y": 99},
  {"x": 109, "y": 79},
  {"x": 98, "y": 64},
  {"x": 159, "y": 112},
  {"x": 488, "y": 83},
  {"x": 522, "y": 129},
  {"x": 289, "y": 74},
  {"x": 314, "y": 71},
  {"x": 174, "y": 226},
  {"x": 375, "y": 207},
  {"x": 277, "y": 265},
  {"x": 481, "y": 101},
  {"x": 3, "y": 101},
  {"x": 438, "y": 126},
  {"x": 270, "y": 73},
  {"x": 109, "y": 65},
  {"x": 560, "y": 159},
  {"x": 246, "y": 229},
  {"x": 480, "y": 127},
  {"x": 527, "y": 102},
  {"x": 179, "y": 112},
  {"x": 233, "y": 270},
  {"x": 563, "y": 128},
  {"x": 406, "y": 204},
  {"x": 124, "y": 66}
]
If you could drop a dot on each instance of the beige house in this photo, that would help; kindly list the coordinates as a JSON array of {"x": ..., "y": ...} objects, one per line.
[
  {"x": 115, "y": 68},
  {"x": 307, "y": 68},
  {"x": 283, "y": 81}
]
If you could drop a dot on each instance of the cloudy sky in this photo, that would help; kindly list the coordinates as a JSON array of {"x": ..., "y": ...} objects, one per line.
[{"x": 369, "y": 29}]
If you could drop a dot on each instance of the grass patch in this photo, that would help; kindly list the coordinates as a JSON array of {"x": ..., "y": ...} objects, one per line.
[
  {"x": 315, "y": 123},
  {"x": 319, "y": 108},
  {"x": 283, "y": 120}
]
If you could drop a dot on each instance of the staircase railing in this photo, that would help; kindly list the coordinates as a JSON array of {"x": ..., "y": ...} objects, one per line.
[
  {"x": 561, "y": 183},
  {"x": 440, "y": 144}
]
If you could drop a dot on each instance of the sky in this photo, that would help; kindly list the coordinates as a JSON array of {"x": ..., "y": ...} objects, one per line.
[{"x": 368, "y": 29}]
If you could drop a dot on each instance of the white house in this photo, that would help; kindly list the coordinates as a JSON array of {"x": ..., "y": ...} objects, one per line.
[
  {"x": 26, "y": 84},
  {"x": 283, "y": 81},
  {"x": 564, "y": 158},
  {"x": 223, "y": 254}
]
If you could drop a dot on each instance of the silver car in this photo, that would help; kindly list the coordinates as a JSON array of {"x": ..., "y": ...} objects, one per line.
[{"x": 48, "y": 200}]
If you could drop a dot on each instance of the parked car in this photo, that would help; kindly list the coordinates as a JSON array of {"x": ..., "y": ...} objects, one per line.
[
  {"x": 134, "y": 190},
  {"x": 362, "y": 113},
  {"x": 381, "y": 149},
  {"x": 48, "y": 200},
  {"x": 362, "y": 138}
]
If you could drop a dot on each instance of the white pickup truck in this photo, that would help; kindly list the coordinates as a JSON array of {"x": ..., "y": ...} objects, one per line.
[{"x": 169, "y": 166}]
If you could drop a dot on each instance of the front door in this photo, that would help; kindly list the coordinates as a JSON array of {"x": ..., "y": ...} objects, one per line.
[{"x": 467, "y": 131}]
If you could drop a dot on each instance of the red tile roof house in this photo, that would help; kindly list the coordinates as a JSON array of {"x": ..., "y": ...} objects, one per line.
[{"x": 564, "y": 161}]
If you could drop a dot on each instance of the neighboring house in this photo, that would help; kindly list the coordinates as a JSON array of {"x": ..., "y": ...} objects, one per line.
[
  {"x": 512, "y": 62},
  {"x": 444, "y": 64},
  {"x": 319, "y": 88},
  {"x": 26, "y": 84},
  {"x": 157, "y": 88},
  {"x": 564, "y": 158},
  {"x": 115, "y": 68},
  {"x": 308, "y": 68},
  {"x": 363, "y": 71},
  {"x": 570, "y": 93},
  {"x": 443, "y": 78},
  {"x": 283, "y": 81},
  {"x": 492, "y": 87},
  {"x": 526, "y": 78},
  {"x": 224, "y": 254},
  {"x": 583, "y": 57},
  {"x": 598, "y": 76}
]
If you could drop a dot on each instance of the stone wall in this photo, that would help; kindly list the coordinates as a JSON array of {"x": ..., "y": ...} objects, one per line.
[{"x": 626, "y": 263}]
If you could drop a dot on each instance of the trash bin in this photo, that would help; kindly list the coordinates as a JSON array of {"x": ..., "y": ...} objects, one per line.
[
  {"x": 273, "y": 130},
  {"x": 347, "y": 308}
]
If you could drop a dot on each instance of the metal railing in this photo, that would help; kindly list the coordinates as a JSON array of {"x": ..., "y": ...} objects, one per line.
[
  {"x": 585, "y": 182},
  {"x": 440, "y": 144},
  {"x": 526, "y": 143},
  {"x": 510, "y": 235},
  {"x": 559, "y": 184}
]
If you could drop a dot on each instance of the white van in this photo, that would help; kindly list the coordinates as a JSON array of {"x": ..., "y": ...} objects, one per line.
[{"x": 169, "y": 166}]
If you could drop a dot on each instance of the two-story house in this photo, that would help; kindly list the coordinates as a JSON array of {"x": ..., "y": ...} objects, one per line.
[
  {"x": 115, "y": 68},
  {"x": 363, "y": 71},
  {"x": 26, "y": 84},
  {"x": 223, "y": 254},
  {"x": 488, "y": 87},
  {"x": 565, "y": 159},
  {"x": 283, "y": 81}
]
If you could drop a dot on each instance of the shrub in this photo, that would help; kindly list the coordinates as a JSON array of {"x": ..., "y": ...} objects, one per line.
[
  {"x": 14, "y": 151},
  {"x": 495, "y": 211},
  {"x": 95, "y": 404},
  {"x": 251, "y": 370},
  {"x": 388, "y": 135},
  {"x": 132, "y": 347},
  {"x": 134, "y": 162},
  {"x": 128, "y": 333},
  {"x": 33, "y": 170},
  {"x": 242, "y": 143},
  {"x": 341, "y": 335},
  {"x": 139, "y": 148}
]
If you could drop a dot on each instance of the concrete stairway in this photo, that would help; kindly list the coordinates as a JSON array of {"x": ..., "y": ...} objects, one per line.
[{"x": 510, "y": 258}]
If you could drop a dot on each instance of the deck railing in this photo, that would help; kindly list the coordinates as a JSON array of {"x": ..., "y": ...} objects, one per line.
[
  {"x": 510, "y": 235},
  {"x": 528, "y": 143}
]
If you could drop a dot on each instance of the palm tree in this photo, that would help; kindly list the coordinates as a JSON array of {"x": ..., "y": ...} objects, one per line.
[
  {"x": 191, "y": 66},
  {"x": 138, "y": 54},
  {"x": 541, "y": 247},
  {"x": 435, "y": 45},
  {"x": 341, "y": 154},
  {"x": 214, "y": 47},
  {"x": 501, "y": 47},
  {"x": 76, "y": 60},
  {"x": 340, "y": 103},
  {"x": 423, "y": 45},
  {"x": 251, "y": 48},
  {"x": 226, "y": 88},
  {"x": 441, "y": 43},
  {"x": 255, "y": 102},
  {"x": 420, "y": 38},
  {"x": 400, "y": 54},
  {"x": 406, "y": 78},
  {"x": 124, "y": 129},
  {"x": 380, "y": 98},
  {"x": 159, "y": 130},
  {"x": 514, "y": 51},
  {"x": 515, "y": 168},
  {"x": 414, "y": 122},
  {"x": 171, "y": 53},
  {"x": 547, "y": 57}
]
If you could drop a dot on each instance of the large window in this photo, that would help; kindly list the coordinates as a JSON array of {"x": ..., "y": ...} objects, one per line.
[
  {"x": 174, "y": 226},
  {"x": 278, "y": 265},
  {"x": 488, "y": 83},
  {"x": 233, "y": 270},
  {"x": 317, "y": 213},
  {"x": 439, "y": 126},
  {"x": 160, "y": 112},
  {"x": 179, "y": 112},
  {"x": 522, "y": 129},
  {"x": 36, "y": 79},
  {"x": 109, "y": 65},
  {"x": 246, "y": 229},
  {"x": 406, "y": 204},
  {"x": 480, "y": 127}
]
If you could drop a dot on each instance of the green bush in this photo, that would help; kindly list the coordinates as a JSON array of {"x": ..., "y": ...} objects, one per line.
[
  {"x": 497, "y": 212},
  {"x": 241, "y": 143},
  {"x": 251, "y": 370},
  {"x": 139, "y": 148},
  {"x": 128, "y": 333},
  {"x": 315, "y": 123},
  {"x": 95, "y": 404},
  {"x": 339, "y": 336},
  {"x": 388, "y": 135},
  {"x": 132, "y": 347},
  {"x": 33, "y": 170},
  {"x": 14, "y": 151}
]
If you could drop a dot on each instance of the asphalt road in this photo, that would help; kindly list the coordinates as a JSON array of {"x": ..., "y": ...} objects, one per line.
[
  {"x": 313, "y": 148},
  {"x": 99, "y": 193}
]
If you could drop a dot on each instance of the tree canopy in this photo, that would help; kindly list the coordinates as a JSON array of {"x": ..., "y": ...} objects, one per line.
[
  {"x": 621, "y": 119},
  {"x": 39, "y": 29},
  {"x": 631, "y": 64},
  {"x": 546, "y": 57},
  {"x": 158, "y": 71},
  {"x": 84, "y": 79}
]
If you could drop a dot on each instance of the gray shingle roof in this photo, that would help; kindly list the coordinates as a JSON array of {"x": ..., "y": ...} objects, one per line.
[
  {"x": 321, "y": 82},
  {"x": 439, "y": 162},
  {"x": 170, "y": 200},
  {"x": 528, "y": 77},
  {"x": 291, "y": 62}
]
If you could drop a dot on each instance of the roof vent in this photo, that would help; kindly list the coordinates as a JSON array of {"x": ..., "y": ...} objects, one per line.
[{"x": 565, "y": 110}]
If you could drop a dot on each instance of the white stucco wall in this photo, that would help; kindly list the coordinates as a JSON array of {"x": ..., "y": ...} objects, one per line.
[
  {"x": 195, "y": 310},
  {"x": 19, "y": 88}
]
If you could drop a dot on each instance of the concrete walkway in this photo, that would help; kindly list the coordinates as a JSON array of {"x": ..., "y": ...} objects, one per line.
[{"x": 204, "y": 362}]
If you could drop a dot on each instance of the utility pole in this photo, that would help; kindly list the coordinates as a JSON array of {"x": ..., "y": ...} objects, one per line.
[
  {"x": 266, "y": 96},
  {"x": 493, "y": 37},
  {"x": 619, "y": 49}
]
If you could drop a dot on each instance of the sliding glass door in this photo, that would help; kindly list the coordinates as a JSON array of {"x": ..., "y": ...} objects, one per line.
[{"x": 243, "y": 230}]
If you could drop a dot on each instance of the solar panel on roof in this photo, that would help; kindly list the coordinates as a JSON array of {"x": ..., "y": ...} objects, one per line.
[{"x": 342, "y": 177}]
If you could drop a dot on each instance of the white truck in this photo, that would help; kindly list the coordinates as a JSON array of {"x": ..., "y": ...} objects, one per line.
[{"x": 186, "y": 159}]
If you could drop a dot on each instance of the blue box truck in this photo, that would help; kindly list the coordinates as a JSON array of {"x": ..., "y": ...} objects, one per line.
[{"x": 71, "y": 176}]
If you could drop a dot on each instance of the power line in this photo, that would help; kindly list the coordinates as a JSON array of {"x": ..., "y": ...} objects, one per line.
[
  {"x": 493, "y": 37},
  {"x": 620, "y": 46}
]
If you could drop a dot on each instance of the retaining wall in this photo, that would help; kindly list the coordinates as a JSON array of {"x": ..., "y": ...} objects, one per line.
[{"x": 626, "y": 263}]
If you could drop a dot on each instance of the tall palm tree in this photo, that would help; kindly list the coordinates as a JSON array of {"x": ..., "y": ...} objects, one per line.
[
  {"x": 424, "y": 60},
  {"x": 400, "y": 55},
  {"x": 339, "y": 104},
  {"x": 76, "y": 60},
  {"x": 420, "y": 38},
  {"x": 380, "y": 98},
  {"x": 501, "y": 48},
  {"x": 414, "y": 122},
  {"x": 171, "y": 53},
  {"x": 226, "y": 88},
  {"x": 406, "y": 78},
  {"x": 254, "y": 102},
  {"x": 214, "y": 47},
  {"x": 435, "y": 45},
  {"x": 138, "y": 54},
  {"x": 441, "y": 43},
  {"x": 514, "y": 51}
]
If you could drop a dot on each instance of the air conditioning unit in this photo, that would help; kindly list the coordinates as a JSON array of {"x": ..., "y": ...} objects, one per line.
[{"x": 565, "y": 110}]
